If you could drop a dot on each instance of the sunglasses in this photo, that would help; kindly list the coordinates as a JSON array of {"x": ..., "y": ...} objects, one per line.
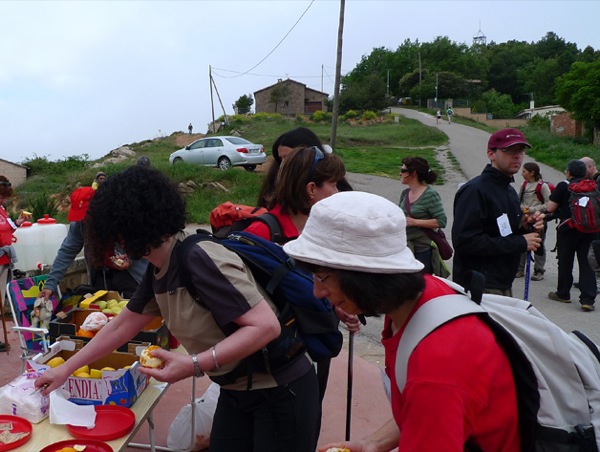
[
  {"x": 5, "y": 183},
  {"x": 318, "y": 156},
  {"x": 404, "y": 170}
]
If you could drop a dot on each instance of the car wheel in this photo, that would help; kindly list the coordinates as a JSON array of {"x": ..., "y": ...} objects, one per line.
[
  {"x": 177, "y": 160},
  {"x": 224, "y": 163},
  {"x": 250, "y": 167}
]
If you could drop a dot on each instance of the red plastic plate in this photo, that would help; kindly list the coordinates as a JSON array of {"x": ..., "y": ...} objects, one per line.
[
  {"x": 112, "y": 422},
  {"x": 19, "y": 425},
  {"x": 91, "y": 445}
]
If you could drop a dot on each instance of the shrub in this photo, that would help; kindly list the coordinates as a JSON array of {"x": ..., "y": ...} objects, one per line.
[
  {"x": 319, "y": 116},
  {"x": 351, "y": 114},
  {"x": 43, "y": 204},
  {"x": 368, "y": 115}
]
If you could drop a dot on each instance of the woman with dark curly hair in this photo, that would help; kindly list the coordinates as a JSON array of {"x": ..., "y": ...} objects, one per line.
[
  {"x": 283, "y": 145},
  {"x": 423, "y": 208},
  {"x": 142, "y": 210}
]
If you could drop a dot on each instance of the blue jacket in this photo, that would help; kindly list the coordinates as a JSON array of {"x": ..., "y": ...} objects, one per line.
[
  {"x": 68, "y": 251},
  {"x": 478, "y": 244}
]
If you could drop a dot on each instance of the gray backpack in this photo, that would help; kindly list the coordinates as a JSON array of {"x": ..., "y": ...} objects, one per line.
[{"x": 557, "y": 375}]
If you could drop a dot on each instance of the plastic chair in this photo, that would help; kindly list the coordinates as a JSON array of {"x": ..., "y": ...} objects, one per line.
[{"x": 22, "y": 294}]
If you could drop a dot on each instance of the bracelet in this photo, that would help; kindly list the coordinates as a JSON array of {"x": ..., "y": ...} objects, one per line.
[
  {"x": 197, "y": 371},
  {"x": 214, "y": 355}
]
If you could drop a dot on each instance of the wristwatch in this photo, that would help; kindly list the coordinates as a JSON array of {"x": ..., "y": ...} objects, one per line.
[{"x": 197, "y": 371}]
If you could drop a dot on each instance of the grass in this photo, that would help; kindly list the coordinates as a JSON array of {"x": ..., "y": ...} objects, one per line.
[{"x": 375, "y": 148}]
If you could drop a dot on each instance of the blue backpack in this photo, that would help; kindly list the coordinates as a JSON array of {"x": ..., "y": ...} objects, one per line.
[{"x": 307, "y": 323}]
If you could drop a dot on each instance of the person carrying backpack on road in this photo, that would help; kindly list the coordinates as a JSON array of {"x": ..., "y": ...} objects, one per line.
[
  {"x": 570, "y": 242},
  {"x": 534, "y": 195},
  {"x": 449, "y": 114},
  {"x": 142, "y": 210},
  {"x": 354, "y": 243}
]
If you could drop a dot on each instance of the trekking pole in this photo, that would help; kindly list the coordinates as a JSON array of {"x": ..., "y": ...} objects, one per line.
[
  {"x": 349, "y": 393},
  {"x": 527, "y": 275}
]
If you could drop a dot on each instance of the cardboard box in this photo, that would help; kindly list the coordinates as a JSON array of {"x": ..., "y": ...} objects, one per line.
[
  {"x": 155, "y": 333},
  {"x": 119, "y": 387}
]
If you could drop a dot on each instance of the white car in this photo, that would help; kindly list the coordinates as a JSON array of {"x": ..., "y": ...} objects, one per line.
[{"x": 221, "y": 152}]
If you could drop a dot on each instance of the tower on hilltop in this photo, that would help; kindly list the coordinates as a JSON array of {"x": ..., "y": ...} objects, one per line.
[{"x": 479, "y": 38}]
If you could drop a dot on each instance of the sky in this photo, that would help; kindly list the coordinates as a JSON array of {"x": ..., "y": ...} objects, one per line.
[{"x": 85, "y": 77}]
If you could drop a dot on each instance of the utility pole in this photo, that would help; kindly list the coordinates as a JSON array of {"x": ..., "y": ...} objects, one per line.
[
  {"x": 338, "y": 70},
  {"x": 322, "y": 78},
  {"x": 212, "y": 105},
  {"x": 436, "y": 88},
  {"x": 387, "y": 90},
  {"x": 420, "y": 76}
]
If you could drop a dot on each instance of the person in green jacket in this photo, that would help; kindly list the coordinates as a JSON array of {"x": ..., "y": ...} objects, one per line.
[{"x": 423, "y": 208}]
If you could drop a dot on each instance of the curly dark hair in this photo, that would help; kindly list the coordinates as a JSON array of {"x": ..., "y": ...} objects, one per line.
[
  {"x": 137, "y": 208},
  {"x": 6, "y": 190},
  {"x": 421, "y": 168}
]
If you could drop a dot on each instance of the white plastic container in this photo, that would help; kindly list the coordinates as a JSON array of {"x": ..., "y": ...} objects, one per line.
[
  {"x": 53, "y": 234},
  {"x": 38, "y": 243}
]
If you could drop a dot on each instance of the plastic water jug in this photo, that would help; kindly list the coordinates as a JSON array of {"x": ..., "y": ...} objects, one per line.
[{"x": 38, "y": 243}]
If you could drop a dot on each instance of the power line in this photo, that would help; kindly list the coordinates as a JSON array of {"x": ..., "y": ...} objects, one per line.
[{"x": 278, "y": 44}]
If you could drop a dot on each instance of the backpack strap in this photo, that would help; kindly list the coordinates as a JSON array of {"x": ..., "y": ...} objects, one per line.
[
  {"x": 274, "y": 227},
  {"x": 433, "y": 314}
]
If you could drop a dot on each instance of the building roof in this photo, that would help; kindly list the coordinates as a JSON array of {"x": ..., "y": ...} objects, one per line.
[
  {"x": 13, "y": 163},
  {"x": 292, "y": 81}
]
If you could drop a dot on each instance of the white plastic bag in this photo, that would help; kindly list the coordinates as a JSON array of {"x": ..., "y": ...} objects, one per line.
[
  {"x": 18, "y": 398},
  {"x": 180, "y": 431}
]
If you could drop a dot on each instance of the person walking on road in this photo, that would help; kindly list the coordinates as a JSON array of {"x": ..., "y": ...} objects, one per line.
[
  {"x": 490, "y": 232},
  {"x": 438, "y": 116},
  {"x": 449, "y": 114},
  {"x": 534, "y": 195},
  {"x": 190, "y": 128},
  {"x": 571, "y": 242}
]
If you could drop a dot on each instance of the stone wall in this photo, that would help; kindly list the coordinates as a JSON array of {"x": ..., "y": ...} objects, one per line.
[
  {"x": 16, "y": 174},
  {"x": 482, "y": 117}
]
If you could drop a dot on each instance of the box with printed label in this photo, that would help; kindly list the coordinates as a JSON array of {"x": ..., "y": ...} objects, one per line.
[
  {"x": 156, "y": 332},
  {"x": 112, "y": 380}
]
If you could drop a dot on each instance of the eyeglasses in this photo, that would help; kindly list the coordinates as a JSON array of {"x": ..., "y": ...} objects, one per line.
[
  {"x": 321, "y": 279},
  {"x": 318, "y": 156},
  {"x": 404, "y": 170}
]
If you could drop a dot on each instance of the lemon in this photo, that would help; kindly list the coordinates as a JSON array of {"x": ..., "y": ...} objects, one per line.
[
  {"x": 108, "y": 368},
  {"x": 56, "y": 361},
  {"x": 82, "y": 375},
  {"x": 85, "y": 369},
  {"x": 95, "y": 373}
]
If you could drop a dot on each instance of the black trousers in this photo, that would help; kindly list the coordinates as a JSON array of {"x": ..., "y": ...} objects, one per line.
[
  {"x": 268, "y": 420},
  {"x": 570, "y": 243}
]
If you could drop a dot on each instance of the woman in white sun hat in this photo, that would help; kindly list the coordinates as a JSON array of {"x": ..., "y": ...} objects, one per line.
[{"x": 354, "y": 243}]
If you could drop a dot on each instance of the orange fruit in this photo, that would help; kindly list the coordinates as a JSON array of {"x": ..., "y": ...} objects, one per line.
[{"x": 84, "y": 333}]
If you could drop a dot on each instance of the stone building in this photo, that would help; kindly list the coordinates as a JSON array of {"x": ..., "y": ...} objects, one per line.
[
  {"x": 289, "y": 97},
  {"x": 15, "y": 173}
]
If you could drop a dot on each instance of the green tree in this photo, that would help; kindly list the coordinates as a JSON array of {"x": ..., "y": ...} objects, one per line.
[
  {"x": 578, "y": 91},
  {"x": 369, "y": 95},
  {"x": 280, "y": 94},
  {"x": 243, "y": 104},
  {"x": 499, "y": 105}
]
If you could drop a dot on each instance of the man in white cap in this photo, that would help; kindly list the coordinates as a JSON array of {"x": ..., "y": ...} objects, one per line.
[
  {"x": 355, "y": 245},
  {"x": 490, "y": 232}
]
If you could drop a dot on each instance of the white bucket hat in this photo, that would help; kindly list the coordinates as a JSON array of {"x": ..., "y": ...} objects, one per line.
[{"x": 355, "y": 231}]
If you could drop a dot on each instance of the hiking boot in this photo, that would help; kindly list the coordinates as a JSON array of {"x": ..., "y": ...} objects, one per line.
[
  {"x": 554, "y": 296},
  {"x": 587, "y": 307},
  {"x": 538, "y": 276},
  {"x": 519, "y": 274}
]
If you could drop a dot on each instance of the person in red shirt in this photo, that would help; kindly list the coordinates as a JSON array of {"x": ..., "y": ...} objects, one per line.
[
  {"x": 460, "y": 392},
  {"x": 7, "y": 253}
]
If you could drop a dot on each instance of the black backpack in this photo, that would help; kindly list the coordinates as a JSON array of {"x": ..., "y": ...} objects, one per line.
[{"x": 308, "y": 324}]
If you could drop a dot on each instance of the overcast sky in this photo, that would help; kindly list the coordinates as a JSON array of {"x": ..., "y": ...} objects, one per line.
[{"x": 88, "y": 76}]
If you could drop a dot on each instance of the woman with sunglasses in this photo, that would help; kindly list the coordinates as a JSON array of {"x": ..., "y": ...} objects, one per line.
[
  {"x": 307, "y": 176},
  {"x": 7, "y": 227},
  {"x": 423, "y": 208},
  {"x": 282, "y": 147}
]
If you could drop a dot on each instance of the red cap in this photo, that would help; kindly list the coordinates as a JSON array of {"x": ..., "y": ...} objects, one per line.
[
  {"x": 506, "y": 138},
  {"x": 80, "y": 201}
]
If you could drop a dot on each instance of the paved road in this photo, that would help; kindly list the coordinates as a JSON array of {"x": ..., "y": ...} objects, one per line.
[{"x": 469, "y": 146}]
